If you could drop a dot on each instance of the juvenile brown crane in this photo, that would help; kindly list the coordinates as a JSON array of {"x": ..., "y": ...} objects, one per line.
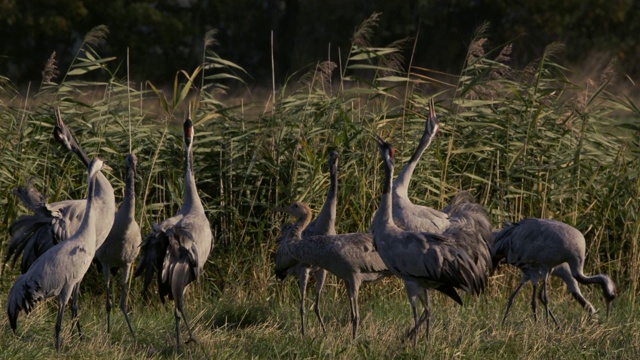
[
  {"x": 323, "y": 224},
  {"x": 539, "y": 247},
  {"x": 350, "y": 257},
  {"x": 177, "y": 249},
  {"x": 428, "y": 260},
  {"x": 122, "y": 245},
  {"x": 60, "y": 269}
]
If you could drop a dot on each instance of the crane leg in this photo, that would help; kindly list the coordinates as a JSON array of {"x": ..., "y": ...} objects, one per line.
[
  {"x": 74, "y": 309},
  {"x": 427, "y": 311},
  {"x": 106, "y": 274},
  {"x": 510, "y": 302},
  {"x": 355, "y": 313},
  {"x": 545, "y": 301},
  {"x": 534, "y": 306},
  {"x": 585, "y": 304},
  {"x": 176, "y": 315},
  {"x": 58, "y": 327},
  {"x": 124, "y": 294},
  {"x": 320, "y": 276},
  {"x": 302, "y": 283}
]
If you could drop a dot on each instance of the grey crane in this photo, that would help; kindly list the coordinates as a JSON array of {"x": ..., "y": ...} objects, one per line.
[
  {"x": 33, "y": 235},
  {"x": 60, "y": 269},
  {"x": 324, "y": 224},
  {"x": 407, "y": 215},
  {"x": 177, "y": 248},
  {"x": 351, "y": 257},
  {"x": 428, "y": 260},
  {"x": 122, "y": 245},
  {"x": 540, "y": 247}
]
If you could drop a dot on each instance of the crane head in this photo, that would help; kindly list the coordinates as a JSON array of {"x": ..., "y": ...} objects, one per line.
[
  {"x": 130, "y": 161},
  {"x": 95, "y": 165},
  {"x": 298, "y": 210},
  {"x": 187, "y": 127},
  {"x": 386, "y": 150}
]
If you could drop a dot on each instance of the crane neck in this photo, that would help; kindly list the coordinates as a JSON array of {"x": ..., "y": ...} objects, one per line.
[
  {"x": 383, "y": 216},
  {"x": 191, "y": 199},
  {"x": 401, "y": 183},
  {"x": 300, "y": 225},
  {"x": 129, "y": 201},
  {"x": 327, "y": 217},
  {"x": 88, "y": 221}
]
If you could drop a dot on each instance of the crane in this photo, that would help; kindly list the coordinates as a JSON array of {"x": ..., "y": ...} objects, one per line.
[
  {"x": 59, "y": 270},
  {"x": 351, "y": 257},
  {"x": 32, "y": 235},
  {"x": 539, "y": 247},
  {"x": 324, "y": 224},
  {"x": 177, "y": 248},
  {"x": 122, "y": 245},
  {"x": 428, "y": 260}
]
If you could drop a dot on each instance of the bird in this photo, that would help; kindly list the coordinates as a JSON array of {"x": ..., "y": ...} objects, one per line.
[
  {"x": 58, "y": 271},
  {"x": 32, "y": 235},
  {"x": 407, "y": 215},
  {"x": 411, "y": 217},
  {"x": 323, "y": 224},
  {"x": 351, "y": 257},
  {"x": 122, "y": 245},
  {"x": 178, "y": 248},
  {"x": 427, "y": 260},
  {"x": 540, "y": 247}
]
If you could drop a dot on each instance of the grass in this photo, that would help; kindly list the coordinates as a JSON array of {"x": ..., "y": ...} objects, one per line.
[
  {"x": 243, "y": 324},
  {"x": 527, "y": 142}
]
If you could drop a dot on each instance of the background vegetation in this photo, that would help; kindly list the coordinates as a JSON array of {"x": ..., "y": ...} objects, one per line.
[
  {"x": 527, "y": 141},
  {"x": 164, "y": 35}
]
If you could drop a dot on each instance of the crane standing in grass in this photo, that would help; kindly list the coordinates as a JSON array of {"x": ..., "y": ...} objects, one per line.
[
  {"x": 121, "y": 247},
  {"x": 350, "y": 257},
  {"x": 428, "y": 260},
  {"x": 324, "y": 224},
  {"x": 178, "y": 248},
  {"x": 33, "y": 235},
  {"x": 411, "y": 217},
  {"x": 540, "y": 247},
  {"x": 60, "y": 270}
]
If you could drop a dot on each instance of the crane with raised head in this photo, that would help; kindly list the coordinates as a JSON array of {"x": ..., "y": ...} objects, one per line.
[
  {"x": 429, "y": 260},
  {"x": 178, "y": 248},
  {"x": 540, "y": 247},
  {"x": 122, "y": 245},
  {"x": 323, "y": 224},
  {"x": 32, "y": 235},
  {"x": 58, "y": 271},
  {"x": 351, "y": 257}
]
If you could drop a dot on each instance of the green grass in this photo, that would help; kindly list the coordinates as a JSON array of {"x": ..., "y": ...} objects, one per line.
[
  {"x": 527, "y": 142},
  {"x": 245, "y": 324}
]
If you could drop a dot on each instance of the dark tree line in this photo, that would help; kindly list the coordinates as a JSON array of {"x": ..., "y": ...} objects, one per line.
[{"x": 165, "y": 36}]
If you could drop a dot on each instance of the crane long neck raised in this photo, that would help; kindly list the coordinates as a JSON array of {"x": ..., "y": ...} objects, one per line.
[
  {"x": 191, "y": 199},
  {"x": 401, "y": 183},
  {"x": 129, "y": 201},
  {"x": 327, "y": 216},
  {"x": 383, "y": 216},
  {"x": 88, "y": 221}
]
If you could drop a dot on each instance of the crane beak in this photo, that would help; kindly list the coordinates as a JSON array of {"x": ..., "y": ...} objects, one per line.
[{"x": 608, "y": 308}]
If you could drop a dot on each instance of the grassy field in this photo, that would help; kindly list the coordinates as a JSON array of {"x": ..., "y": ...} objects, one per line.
[{"x": 531, "y": 142}]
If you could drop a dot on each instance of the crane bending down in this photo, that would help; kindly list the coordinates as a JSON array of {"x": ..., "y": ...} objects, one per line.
[
  {"x": 121, "y": 247},
  {"x": 351, "y": 257},
  {"x": 33, "y": 235},
  {"x": 178, "y": 248},
  {"x": 540, "y": 247},
  {"x": 428, "y": 260},
  {"x": 61, "y": 269},
  {"x": 324, "y": 224}
]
